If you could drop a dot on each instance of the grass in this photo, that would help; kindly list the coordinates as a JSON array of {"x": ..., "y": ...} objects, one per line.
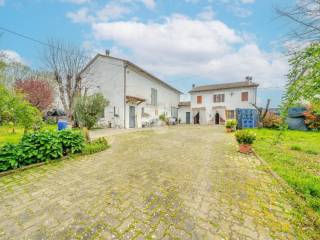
[
  {"x": 295, "y": 156},
  {"x": 6, "y": 135}
]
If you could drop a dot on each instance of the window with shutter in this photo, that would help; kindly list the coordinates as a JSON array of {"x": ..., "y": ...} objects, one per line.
[
  {"x": 199, "y": 99},
  {"x": 154, "y": 97},
  {"x": 218, "y": 98},
  {"x": 244, "y": 96}
]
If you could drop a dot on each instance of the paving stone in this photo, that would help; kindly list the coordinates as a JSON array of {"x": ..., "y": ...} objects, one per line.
[{"x": 186, "y": 182}]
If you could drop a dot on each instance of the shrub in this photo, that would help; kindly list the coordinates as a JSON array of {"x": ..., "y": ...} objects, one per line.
[
  {"x": 272, "y": 120},
  {"x": 40, "y": 147},
  {"x": 312, "y": 119},
  {"x": 9, "y": 156},
  {"x": 245, "y": 137},
  {"x": 95, "y": 146},
  {"x": 231, "y": 123},
  {"x": 72, "y": 141},
  {"x": 88, "y": 109},
  {"x": 163, "y": 117}
]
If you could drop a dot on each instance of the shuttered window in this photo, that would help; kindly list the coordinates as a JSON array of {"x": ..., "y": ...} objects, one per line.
[
  {"x": 244, "y": 96},
  {"x": 154, "y": 97},
  {"x": 199, "y": 99},
  {"x": 218, "y": 98}
]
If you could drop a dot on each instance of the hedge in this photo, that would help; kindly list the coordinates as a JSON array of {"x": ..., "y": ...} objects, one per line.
[{"x": 40, "y": 147}]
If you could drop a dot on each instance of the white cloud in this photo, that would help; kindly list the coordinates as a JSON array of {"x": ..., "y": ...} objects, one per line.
[
  {"x": 2, "y": 2},
  {"x": 10, "y": 56},
  {"x": 208, "y": 49},
  {"x": 240, "y": 11},
  {"x": 207, "y": 13},
  {"x": 80, "y": 16},
  {"x": 112, "y": 11},
  {"x": 151, "y": 4}
]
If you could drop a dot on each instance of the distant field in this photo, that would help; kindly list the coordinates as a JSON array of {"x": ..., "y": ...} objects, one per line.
[
  {"x": 295, "y": 156},
  {"x": 6, "y": 135}
]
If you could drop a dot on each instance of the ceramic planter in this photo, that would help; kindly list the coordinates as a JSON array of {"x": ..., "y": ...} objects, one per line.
[
  {"x": 229, "y": 130},
  {"x": 245, "y": 148}
]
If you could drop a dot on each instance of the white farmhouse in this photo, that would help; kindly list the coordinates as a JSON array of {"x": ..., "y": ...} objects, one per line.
[
  {"x": 136, "y": 97},
  {"x": 214, "y": 104}
]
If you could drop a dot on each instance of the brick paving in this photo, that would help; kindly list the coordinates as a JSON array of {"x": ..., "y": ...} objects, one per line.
[{"x": 168, "y": 183}]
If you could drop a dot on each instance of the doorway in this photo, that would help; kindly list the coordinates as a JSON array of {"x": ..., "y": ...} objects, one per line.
[
  {"x": 188, "y": 117},
  {"x": 197, "y": 118},
  {"x": 217, "y": 118},
  {"x": 132, "y": 117}
]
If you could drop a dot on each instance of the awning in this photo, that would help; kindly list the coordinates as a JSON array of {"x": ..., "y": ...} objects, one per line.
[{"x": 134, "y": 100}]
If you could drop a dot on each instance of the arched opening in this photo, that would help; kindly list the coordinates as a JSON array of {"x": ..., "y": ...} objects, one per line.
[
  {"x": 217, "y": 118},
  {"x": 197, "y": 118}
]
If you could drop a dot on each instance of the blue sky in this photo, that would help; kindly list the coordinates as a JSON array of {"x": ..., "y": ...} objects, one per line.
[{"x": 181, "y": 41}]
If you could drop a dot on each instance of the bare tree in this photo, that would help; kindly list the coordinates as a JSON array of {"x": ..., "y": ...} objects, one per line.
[
  {"x": 304, "y": 17},
  {"x": 65, "y": 61},
  {"x": 262, "y": 113}
]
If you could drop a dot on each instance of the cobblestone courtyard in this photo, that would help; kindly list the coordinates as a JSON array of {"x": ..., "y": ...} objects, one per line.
[{"x": 170, "y": 183}]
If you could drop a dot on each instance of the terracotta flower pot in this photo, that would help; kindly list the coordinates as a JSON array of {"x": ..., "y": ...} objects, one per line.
[
  {"x": 229, "y": 130},
  {"x": 245, "y": 148}
]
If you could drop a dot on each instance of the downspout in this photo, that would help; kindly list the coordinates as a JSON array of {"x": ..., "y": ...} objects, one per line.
[{"x": 124, "y": 93}]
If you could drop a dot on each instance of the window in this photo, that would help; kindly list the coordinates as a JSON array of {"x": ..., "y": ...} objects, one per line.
[
  {"x": 218, "y": 98},
  {"x": 244, "y": 96},
  {"x": 115, "y": 111},
  {"x": 154, "y": 97},
  {"x": 174, "y": 112},
  {"x": 230, "y": 114},
  {"x": 199, "y": 99}
]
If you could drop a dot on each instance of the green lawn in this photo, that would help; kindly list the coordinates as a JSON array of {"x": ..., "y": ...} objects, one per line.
[
  {"x": 6, "y": 135},
  {"x": 295, "y": 156}
]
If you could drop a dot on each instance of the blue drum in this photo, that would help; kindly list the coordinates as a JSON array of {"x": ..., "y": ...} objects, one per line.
[{"x": 62, "y": 124}]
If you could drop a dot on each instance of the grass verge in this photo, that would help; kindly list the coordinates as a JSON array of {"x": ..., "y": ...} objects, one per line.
[{"x": 295, "y": 157}]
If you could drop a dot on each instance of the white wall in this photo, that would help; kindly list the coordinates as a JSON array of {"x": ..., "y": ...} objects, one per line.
[
  {"x": 139, "y": 85},
  {"x": 232, "y": 101},
  {"x": 182, "y": 114},
  {"x": 106, "y": 75}
]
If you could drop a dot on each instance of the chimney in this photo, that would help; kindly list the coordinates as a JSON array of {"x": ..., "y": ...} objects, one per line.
[
  {"x": 107, "y": 52},
  {"x": 193, "y": 86},
  {"x": 249, "y": 79}
]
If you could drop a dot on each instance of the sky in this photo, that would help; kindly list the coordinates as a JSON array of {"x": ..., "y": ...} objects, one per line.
[{"x": 183, "y": 42}]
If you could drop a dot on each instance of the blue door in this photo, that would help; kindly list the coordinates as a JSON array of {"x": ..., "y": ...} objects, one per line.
[{"x": 247, "y": 118}]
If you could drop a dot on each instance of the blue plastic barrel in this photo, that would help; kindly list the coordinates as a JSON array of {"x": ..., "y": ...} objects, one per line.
[{"x": 62, "y": 124}]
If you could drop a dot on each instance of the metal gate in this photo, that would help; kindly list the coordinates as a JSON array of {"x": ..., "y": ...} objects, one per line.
[{"x": 247, "y": 118}]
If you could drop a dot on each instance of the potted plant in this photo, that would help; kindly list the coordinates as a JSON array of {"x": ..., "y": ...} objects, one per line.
[
  {"x": 245, "y": 138},
  {"x": 231, "y": 125}
]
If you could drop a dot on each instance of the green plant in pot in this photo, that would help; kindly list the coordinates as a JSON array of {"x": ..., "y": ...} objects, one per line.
[
  {"x": 231, "y": 125},
  {"x": 245, "y": 138}
]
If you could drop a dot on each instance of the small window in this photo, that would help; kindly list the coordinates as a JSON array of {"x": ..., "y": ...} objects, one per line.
[
  {"x": 230, "y": 114},
  {"x": 154, "y": 97},
  {"x": 115, "y": 111},
  {"x": 244, "y": 96},
  {"x": 218, "y": 98},
  {"x": 199, "y": 99}
]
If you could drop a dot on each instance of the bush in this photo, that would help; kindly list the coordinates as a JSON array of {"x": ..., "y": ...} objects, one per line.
[
  {"x": 312, "y": 119},
  {"x": 272, "y": 120},
  {"x": 245, "y": 137},
  {"x": 40, "y": 147},
  {"x": 231, "y": 123},
  {"x": 89, "y": 109},
  {"x": 95, "y": 146},
  {"x": 9, "y": 155},
  {"x": 72, "y": 141}
]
